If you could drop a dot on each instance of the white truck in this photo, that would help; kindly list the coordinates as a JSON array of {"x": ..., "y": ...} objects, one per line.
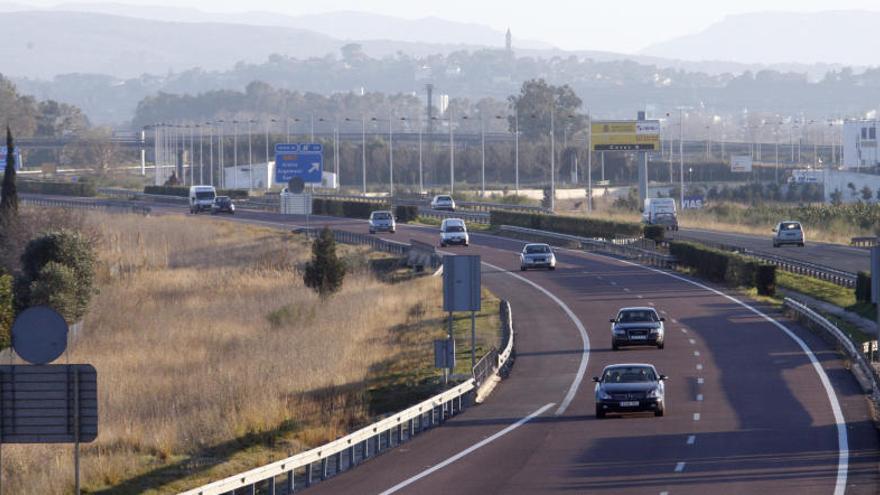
[
  {"x": 201, "y": 198},
  {"x": 660, "y": 211}
]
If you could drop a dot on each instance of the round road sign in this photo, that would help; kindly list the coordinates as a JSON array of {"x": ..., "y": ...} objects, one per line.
[
  {"x": 39, "y": 335},
  {"x": 296, "y": 185}
]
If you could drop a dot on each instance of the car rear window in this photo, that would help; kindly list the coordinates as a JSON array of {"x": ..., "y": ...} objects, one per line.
[
  {"x": 637, "y": 316},
  {"x": 537, "y": 249},
  {"x": 381, "y": 216},
  {"x": 791, "y": 226},
  {"x": 444, "y": 198},
  {"x": 454, "y": 228},
  {"x": 204, "y": 195},
  {"x": 629, "y": 374}
]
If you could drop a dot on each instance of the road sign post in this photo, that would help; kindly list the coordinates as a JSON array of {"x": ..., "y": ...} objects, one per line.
[
  {"x": 462, "y": 291},
  {"x": 875, "y": 281}
]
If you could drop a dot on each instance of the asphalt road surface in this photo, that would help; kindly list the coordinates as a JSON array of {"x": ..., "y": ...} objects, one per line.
[{"x": 755, "y": 403}]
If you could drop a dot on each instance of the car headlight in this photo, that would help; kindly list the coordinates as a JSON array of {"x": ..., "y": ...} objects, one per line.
[
  {"x": 603, "y": 395},
  {"x": 618, "y": 331},
  {"x": 654, "y": 393}
]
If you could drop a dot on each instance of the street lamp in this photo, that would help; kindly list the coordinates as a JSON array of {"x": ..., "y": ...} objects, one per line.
[
  {"x": 419, "y": 124},
  {"x": 451, "y": 153},
  {"x": 363, "y": 151},
  {"x": 515, "y": 148},
  {"x": 482, "y": 155},
  {"x": 250, "y": 156}
]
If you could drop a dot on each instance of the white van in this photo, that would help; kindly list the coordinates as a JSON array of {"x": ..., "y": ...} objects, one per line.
[
  {"x": 453, "y": 231},
  {"x": 660, "y": 211},
  {"x": 201, "y": 198}
]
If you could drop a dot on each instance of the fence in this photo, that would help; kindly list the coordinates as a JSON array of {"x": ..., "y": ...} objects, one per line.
[
  {"x": 865, "y": 242},
  {"x": 822, "y": 272},
  {"x": 320, "y": 463},
  {"x": 855, "y": 356},
  {"x": 86, "y": 204}
]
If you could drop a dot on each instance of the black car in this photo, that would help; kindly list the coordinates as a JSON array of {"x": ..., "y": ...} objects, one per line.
[
  {"x": 637, "y": 326},
  {"x": 223, "y": 204},
  {"x": 626, "y": 388}
]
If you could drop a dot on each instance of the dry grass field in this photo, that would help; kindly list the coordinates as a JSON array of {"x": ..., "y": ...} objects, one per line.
[{"x": 214, "y": 358}]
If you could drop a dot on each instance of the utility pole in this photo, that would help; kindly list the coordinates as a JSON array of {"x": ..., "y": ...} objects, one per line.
[
  {"x": 553, "y": 157},
  {"x": 589, "y": 162},
  {"x": 364, "y": 152},
  {"x": 391, "y": 155},
  {"x": 681, "y": 155},
  {"x": 451, "y": 156}
]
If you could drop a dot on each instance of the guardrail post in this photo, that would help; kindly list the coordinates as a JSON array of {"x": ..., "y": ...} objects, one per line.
[
  {"x": 399, "y": 434},
  {"x": 460, "y": 409},
  {"x": 366, "y": 449},
  {"x": 270, "y": 486},
  {"x": 411, "y": 428},
  {"x": 290, "y": 482},
  {"x": 250, "y": 489},
  {"x": 308, "y": 475},
  {"x": 338, "y": 462},
  {"x": 324, "y": 469}
]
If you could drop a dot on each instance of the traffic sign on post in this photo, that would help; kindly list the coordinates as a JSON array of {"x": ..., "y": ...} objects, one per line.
[{"x": 305, "y": 161}]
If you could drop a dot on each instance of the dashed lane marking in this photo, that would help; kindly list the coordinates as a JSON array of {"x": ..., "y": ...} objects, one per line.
[
  {"x": 679, "y": 467},
  {"x": 691, "y": 439}
]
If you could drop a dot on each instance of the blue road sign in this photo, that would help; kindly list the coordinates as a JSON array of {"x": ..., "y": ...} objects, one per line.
[
  {"x": 305, "y": 161},
  {"x": 16, "y": 152}
]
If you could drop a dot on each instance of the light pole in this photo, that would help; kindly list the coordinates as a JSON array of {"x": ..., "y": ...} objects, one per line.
[
  {"x": 482, "y": 154},
  {"x": 268, "y": 175},
  {"x": 451, "y": 152},
  {"x": 210, "y": 126},
  {"x": 235, "y": 153},
  {"x": 419, "y": 124},
  {"x": 201, "y": 153},
  {"x": 250, "y": 156},
  {"x": 681, "y": 156},
  {"x": 515, "y": 149},
  {"x": 363, "y": 151},
  {"x": 192, "y": 163}
]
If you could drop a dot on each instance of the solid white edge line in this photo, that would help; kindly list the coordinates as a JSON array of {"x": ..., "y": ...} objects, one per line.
[
  {"x": 585, "y": 339},
  {"x": 482, "y": 443},
  {"x": 691, "y": 439},
  {"x": 840, "y": 421}
]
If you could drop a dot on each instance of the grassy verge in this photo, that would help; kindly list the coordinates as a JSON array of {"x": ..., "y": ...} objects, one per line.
[
  {"x": 214, "y": 358},
  {"x": 825, "y": 291}
]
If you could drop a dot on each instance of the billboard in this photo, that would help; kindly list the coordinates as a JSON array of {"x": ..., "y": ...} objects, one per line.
[
  {"x": 625, "y": 135},
  {"x": 305, "y": 161},
  {"x": 741, "y": 163}
]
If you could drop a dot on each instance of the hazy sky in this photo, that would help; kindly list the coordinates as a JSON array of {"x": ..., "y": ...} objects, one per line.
[{"x": 614, "y": 25}]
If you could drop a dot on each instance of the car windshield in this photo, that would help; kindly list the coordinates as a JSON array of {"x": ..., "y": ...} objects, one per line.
[
  {"x": 223, "y": 199},
  {"x": 629, "y": 374},
  {"x": 454, "y": 228},
  {"x": 790, "y": 226},
  {"x": 637, "y": 316},
  {"x": 443, "y": 199},
  {"x": 381, "y": 215},
  {"x": 537, "y": 249},
  {"x": 204, "y": 195}
]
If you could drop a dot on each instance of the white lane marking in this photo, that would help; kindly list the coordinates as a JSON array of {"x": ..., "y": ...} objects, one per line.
[
  {"x": 696, "y": 353},
  {"x": 674, "y": 320},
  {"x": 699, "y": 367},
  {"x": 692, "y": 341},
  {"x": 640, "y": 296},
  {"x": 650, "y": 303},
  {"x": 663, "y": 311},
  {"x": 625, "y": 289},
  {"x": 664, "y": 493},
  {"x": 691, "y": 439},
  {"x": 700, "y": 381},
  {"x": 839, "y": 420},
  {"x": 696, "y": 416},
  {"x": 585, "y": 339},
  {"x": 496, "y": 436},
  {"x": 684, "y": 330},
  {"x": 613, "y": 283},
  {"x": 679, "y": 467},
  {"x": 699, "y": 397},
  {"x": 600, "y": 276}
]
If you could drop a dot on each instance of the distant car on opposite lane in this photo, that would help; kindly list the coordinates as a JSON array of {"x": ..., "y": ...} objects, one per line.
[
  {"x": 382, "y": 221},
  {"x": 627, "y": 388},
  {"x": 443, "y": 202},
  {"x": 788, "y": 232},
  {"x": 637, "y": 326},
  {"x": 223, "y": 204},
  {"x": 453, "y": 231},
  {"x": 537, "y": 256}
]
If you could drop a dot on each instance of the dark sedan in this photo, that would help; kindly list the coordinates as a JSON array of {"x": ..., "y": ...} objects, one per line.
[
  {"x": 626, "y": 388},
  {"x": 223, "y": 204}
]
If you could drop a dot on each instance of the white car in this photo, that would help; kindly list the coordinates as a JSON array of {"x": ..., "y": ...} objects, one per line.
[
  {"x": 453, "y": 231},
  {"x": 788, "y": 232},
  {"x": 443, "y": 202},
  {"x": 382, "y": 221},
  {"x": 537, "y": 256}
]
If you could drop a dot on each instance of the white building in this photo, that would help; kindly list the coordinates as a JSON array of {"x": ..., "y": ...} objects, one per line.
[
  {"x": 841, "y": 180},
  {"x": 253, "y": 176},
  {"x": 860, "y": 144}
]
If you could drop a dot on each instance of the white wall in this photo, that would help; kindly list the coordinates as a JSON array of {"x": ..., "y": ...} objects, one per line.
[
  {"x": 859, "y": 149},
  {"x": 839, "y": 180},
  {"x": 240, "y": 177}
]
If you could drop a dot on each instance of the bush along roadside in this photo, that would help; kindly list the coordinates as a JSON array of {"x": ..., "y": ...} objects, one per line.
[
  {"x": 84, "y": 189},
  {"x": 348, "y": 209},
  {"x": 406, "y": 213},
  {"x": 183, "y": 191},
  {"x": 723, "y": 266},
  {"x": 584, "y": 227},
  {"x": 656, "y": 233}
]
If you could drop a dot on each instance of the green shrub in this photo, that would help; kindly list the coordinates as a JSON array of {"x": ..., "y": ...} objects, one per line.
[
  {"x": 183, "y": 191},
  {"x": 85, "y": 189},
  {"x": 7, "y": 310},
  {"x": 62, "y": 262},
  {"x": 765, "y": 280},
  {"x": 584, "y": 227},
  {"x": 325, "y": 272},
  {"x": 657, "y": 233},
  {"x": 406, "y": 213},
  {"x": 348, "y": 209},
  {"x": 863, "y": 287}
]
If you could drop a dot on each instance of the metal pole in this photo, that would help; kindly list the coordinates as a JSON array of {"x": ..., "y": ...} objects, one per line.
[
  {"x": 250, "y": 158},
  {"x": 421, "y": 183},
  {"x": 451, "y": 157},
  {"x": 268, "y": 175},
  {"x": 201, "y": 154},
  {"x": 364, "y": 151},
  {"x": 680, "y": 156},
  {"x": 776, "y": 169},
  {"x": 473, "y": 339},
  {"x": 210, "y": 152},
  {"x": 76, "y": 429},
  {"x": 516, "y": 148},
  {"x": 483, "y": 157},
  {"x": 235, "y": 153},
  {"x": 391, "y": 156},
  {"x": 448, "y": 340},
  {"x": 552, "y": 157},
  {"x": 602, "y": 164},
  {"x": 192, "y": 163},
  {"x": 313, "y": 127},
  {"x": 156, "y": 158},
  {"x": 287, "y": 121},
  {"x": 220, "y": 152}
]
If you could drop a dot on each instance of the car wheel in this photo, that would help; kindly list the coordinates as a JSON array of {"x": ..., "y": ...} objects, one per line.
[
  {"x": 661, "y": 345},
  {"x": 372, "y": 232},
  {"x": 659, "y": 412},
  {"x": 614, "y": 346},
  {"x": 801, "y": 244},
  {"x": 393, "y": 231},
  {"x": 522, "y": 268},
  {"x": 599, "y": 412},
  {"x": 552, "y": 268},
  {"x": 775, "y": 245},
  {"x": 466, "y": 244}
]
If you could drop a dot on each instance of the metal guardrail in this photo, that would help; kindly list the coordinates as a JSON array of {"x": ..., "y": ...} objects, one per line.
[
  {"x": 822, "y": 272},
  {"x": 475, "y": 206},
  {"x": 856, "y": 357},
  {"x": 375, "y": 242},
  {"x": 480, "y": 218},
  {"x": 865, "y": 242},
  {"x": 85, "y": 204},
  {"x": 340, "y": 455},
  {"x": 614, "y": 247}
]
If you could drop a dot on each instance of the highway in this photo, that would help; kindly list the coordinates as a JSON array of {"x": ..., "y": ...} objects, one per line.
[
  {"x": 753, "y": 405},
  {"x": 844, "y": 258}
]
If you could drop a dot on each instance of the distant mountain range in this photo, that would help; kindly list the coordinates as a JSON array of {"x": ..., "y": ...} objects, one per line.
[{"x": 838, "y": 37}]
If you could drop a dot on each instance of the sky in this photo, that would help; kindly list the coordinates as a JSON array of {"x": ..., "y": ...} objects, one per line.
[{"x": 610, "y": 25}]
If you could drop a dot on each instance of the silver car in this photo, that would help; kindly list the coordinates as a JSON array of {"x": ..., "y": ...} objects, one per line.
[
  {"x": 625, "y": 388},
  {"x": 637, "y": 326},
  {"x": 537, "y": 256},
  {"x": 443, "y": 202},
  {"x": 382, "y": 221},
  {"x": 788, "y": 232}
]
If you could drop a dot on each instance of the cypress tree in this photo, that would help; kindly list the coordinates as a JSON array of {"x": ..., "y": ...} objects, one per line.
[
  {"x": 325, "y": 272},
  {"x": 9, "y": 200}
]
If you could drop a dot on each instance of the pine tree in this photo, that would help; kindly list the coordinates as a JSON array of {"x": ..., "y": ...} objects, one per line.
[
  {"x": 9, "y": 200},
  {"x": 325, "y": 272}
]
